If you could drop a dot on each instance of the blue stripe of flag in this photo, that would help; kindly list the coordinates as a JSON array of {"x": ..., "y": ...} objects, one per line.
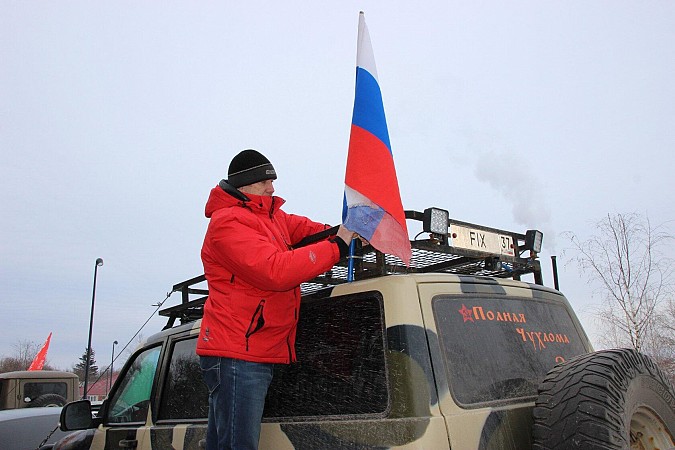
[
  {"x": 364, "y": 219},
  {"x": 368, "y": 107}
]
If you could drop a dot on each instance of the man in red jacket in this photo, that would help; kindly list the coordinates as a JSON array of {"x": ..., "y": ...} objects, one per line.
[{"x": 254, "y": 275}]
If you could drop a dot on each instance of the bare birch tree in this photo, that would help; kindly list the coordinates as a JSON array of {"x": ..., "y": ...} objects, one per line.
[
  {"x": 662, "y": 346},
  {"x": 625, "y": 260}
]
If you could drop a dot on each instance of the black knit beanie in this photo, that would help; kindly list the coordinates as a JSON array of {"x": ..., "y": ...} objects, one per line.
[{"x": 249, "y": 167}]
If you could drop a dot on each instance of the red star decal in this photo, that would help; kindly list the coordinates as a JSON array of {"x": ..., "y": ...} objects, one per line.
[{"x": 466, "y": 313}]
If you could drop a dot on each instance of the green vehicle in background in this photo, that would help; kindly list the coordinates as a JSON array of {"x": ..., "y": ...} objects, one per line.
[{"x": 34, "y": 388}]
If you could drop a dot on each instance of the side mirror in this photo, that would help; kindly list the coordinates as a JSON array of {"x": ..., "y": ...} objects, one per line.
[{"x": 76, "y": 416}]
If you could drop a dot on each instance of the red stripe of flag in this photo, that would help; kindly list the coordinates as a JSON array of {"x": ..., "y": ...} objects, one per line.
[{"x": 371, "y": 172}]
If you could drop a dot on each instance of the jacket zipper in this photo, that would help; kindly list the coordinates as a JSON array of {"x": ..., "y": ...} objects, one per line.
[
  {"x": 257, "y": 321},
  {"x": 288, "y": 337},
  {"x": 283, "y": 236}
]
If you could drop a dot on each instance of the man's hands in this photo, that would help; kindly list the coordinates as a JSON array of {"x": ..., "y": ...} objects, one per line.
[
  {"x": 344, "y": 238},
  {"x": 345, "y": 234}
]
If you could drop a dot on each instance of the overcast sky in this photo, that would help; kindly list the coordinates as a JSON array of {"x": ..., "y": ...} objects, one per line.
[{"x": 117, "y": 118}]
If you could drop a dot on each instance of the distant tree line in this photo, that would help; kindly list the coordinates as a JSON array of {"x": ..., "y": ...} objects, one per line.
[{"x": 24, "y": 351}]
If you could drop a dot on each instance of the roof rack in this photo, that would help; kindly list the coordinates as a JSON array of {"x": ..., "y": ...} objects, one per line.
[
  {"x": 460, "y": 248},
  {"x": 188, "y": 310}
]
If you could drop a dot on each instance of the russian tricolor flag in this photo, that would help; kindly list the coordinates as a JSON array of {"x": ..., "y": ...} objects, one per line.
[{"x": 373, "y": 201}]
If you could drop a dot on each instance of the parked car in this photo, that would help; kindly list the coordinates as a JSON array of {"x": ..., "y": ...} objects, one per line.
[{"x": 27, "y": 429}]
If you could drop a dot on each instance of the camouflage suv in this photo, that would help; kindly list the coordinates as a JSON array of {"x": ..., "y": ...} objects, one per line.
[{"x": 451, "y": 352}]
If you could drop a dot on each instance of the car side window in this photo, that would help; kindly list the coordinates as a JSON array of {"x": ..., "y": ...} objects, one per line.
[
  {"x": 131, "y": 401},
  {"x": 341, "y": 368},
  {"x": 185, "y": 396}
]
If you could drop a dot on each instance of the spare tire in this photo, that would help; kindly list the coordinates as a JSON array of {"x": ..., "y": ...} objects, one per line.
[
  {"x": 611, "y": 399},
  {"x": 48, "y": 400}
]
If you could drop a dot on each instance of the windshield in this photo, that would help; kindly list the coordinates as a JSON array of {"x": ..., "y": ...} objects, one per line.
[{"x": 499, "y": 348}]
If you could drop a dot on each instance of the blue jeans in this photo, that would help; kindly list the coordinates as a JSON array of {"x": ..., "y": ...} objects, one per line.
[{"x": 237, "y": 391}]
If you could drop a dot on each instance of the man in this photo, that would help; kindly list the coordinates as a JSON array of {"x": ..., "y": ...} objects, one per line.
[{"x": 254, "y": 277}]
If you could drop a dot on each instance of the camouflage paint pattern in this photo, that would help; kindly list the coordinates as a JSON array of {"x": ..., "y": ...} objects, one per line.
[{"x": 422, "y": 412}]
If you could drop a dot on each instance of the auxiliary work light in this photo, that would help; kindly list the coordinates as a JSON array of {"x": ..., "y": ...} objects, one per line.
[
  {"x": 533, "y": 239},
  {"x": 435, "y": 221}
]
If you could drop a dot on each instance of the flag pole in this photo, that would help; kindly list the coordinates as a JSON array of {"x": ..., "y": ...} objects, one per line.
[{"x": 350, "y": 265}]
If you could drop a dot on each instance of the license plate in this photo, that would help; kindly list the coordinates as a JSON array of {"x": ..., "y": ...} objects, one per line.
[{"x": 480, "y": 240}]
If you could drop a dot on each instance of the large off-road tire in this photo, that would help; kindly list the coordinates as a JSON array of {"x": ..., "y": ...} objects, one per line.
[
  {"x": 48, "y": 400},
  {"x": 607, "y": 400}
]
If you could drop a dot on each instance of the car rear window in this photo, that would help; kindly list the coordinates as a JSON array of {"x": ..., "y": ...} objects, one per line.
[
  {"x": 500, "y": 348},
  {"x": 33, "y": 390}
]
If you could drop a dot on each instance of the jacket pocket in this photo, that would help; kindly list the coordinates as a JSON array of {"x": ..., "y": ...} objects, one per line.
[{"x": 257, "y": 321}]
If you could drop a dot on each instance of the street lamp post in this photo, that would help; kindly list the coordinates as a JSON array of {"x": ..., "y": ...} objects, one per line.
[
  {"x": 99, "y": 262},
  {"x": 112, "y": 361}
]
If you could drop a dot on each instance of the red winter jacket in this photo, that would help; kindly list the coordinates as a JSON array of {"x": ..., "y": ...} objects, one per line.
[{"x": 254, "y": 277}]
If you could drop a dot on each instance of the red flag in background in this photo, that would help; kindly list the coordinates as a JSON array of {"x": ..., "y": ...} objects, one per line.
[{"x": 40, "y": 358}]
